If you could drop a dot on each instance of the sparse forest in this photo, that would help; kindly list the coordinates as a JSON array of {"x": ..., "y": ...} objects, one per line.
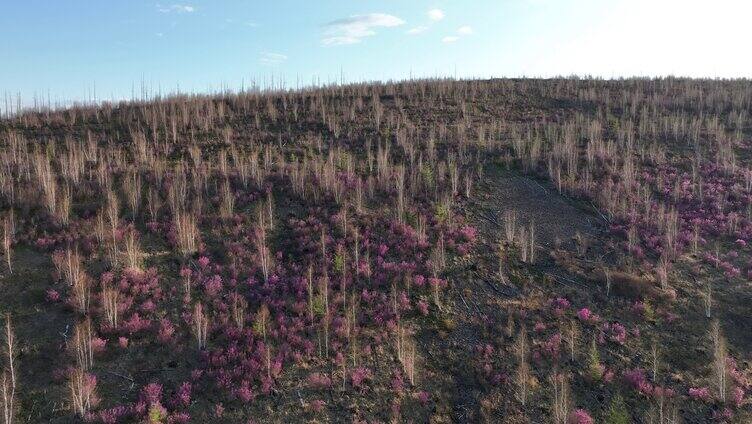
[{"x": 566, "y": 251}]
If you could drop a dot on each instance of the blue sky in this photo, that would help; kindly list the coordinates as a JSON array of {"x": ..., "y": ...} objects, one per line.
[{"x": 68, "y": 48}]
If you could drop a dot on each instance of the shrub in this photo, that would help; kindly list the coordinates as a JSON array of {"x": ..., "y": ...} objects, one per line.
[
  {"x": 359, "y": 376},
  {"x": 617, "y": 412},
  {"x": 580, "y": 416},
  {"x": 179, "y": 418},
  {"x": 738, "y": 396},
  {"x": 98, "y": 345},
  {"x": 637, "y": 380},
  {"x": 319, "y": 381},
  {"x": 152, "y": 393},
  {"x": 53, "y": 296},
  {"x": 157, "y": 413},
  {"x": 316, "y": 406},
  {"x": 595, "y": 369},
  {"x": 701, "y": 393},
  {"x": 166, "y": 330},
  {"x": 183, "y": 395},
  {"x": 423, "y": 397},
  {"x": 423, "y": 307},
  {"x": 585, "y": 315}
]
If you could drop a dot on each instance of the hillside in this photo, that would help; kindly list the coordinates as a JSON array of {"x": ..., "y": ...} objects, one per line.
[{"x": 510, "y": 250}]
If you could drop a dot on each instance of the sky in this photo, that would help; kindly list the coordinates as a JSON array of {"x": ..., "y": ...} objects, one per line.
[{"x": 79, "y": 50}]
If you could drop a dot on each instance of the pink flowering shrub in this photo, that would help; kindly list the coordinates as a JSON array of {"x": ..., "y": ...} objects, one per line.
[
  {"x": 53, "y": 296},
  {"x": 737, "y": 395},
  {"x": 316, "y": 406},
  {"x": 245, "y": 393},
  {"x": 178, "y": 418},
  {"x": 616, "y": 332},
  {"x": 585, "y": 315},
  {"x": 359, "y": 377},
  {"x": 219, "y": 410},
  {"x": 213, "y": 286},
  {"x": 552, "y": 347},
  {"x": 152, "y": 393},
  {"x": 183, "y": 394},
  {"x": 723, "y": 415},
  {"x": 319, "y": 381},
  {"x": 699, "y": 393},
  {"x": 110, "y": 416},
  {"x": 636, "y": 379},
  {"x": 166, "y": 330},
  {"x": 423, "y": 397},
  {"x": 559, "y": 306},
  {"x": 580, "y": 416},
  {"x": 98, "y": 345},
  {"x": 397, "y": 382},
  {"x": 136, "y": 324},
  {"x": 423, "y": 307}
]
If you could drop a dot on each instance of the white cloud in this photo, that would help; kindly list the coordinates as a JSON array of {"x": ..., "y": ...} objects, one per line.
[
  {"x": 417, "y": 30},
  {"x": 248, "y": 23},
  {"x": 272, "y": 59},
  {"x": 461, "y": 32},
  {"x": 353, "y": 29},
  {"x": 177, "y": 8},
  {"x": 436, "y": 14}
]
